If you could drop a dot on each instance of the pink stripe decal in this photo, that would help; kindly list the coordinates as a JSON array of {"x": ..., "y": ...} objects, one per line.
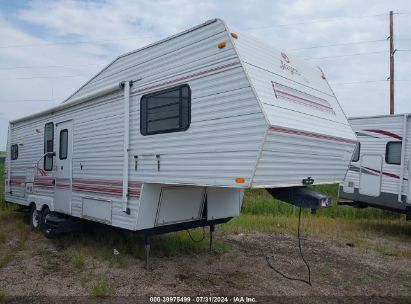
[
  {"x": 314, "y": 135},
  {"x": 384, "y": 173},
  {"x": 105, "y": 182},
  {"x": 290, "y": 94},
  {"x": 386, "y": 133}
]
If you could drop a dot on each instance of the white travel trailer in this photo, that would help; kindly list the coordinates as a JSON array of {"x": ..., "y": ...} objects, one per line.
[
  {"x": 379, "y": 174},
  {"x": 167, "y": 137}
]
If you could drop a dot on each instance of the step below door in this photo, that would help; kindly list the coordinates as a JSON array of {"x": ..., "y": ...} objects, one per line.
[{"x": 370, "y": 175}]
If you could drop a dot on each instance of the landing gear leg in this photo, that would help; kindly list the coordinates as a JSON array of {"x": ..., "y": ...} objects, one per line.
[
  {"x": 211, "y": 237},
  {"x": 147, "y": 249}
]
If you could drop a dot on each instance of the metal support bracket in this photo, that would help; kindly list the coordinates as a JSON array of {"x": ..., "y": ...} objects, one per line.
[
  {"x": 147, "y": 249},
  {"x": 211, "y": 237}
]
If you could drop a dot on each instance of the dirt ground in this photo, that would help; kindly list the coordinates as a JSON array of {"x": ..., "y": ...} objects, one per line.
[{"x": 337, "y": 270}]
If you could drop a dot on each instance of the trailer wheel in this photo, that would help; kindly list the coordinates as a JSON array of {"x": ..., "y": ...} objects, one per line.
[
  {"x": 44, "y": 214},
  {"x": 34, "y": 218}
]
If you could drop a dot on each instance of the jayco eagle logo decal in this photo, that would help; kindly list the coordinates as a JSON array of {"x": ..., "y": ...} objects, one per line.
[{"x": 284, "y": 65}]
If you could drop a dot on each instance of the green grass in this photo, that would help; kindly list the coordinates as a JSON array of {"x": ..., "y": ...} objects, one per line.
[
  {"x": 102, "y": 289},
  {"x": 1, "y": 185},
  {"x": 260, "y": 213},
  {"x": 99, "y": 241},
  {"x": 259, "y": 201},
  {"x": 3, "y": 295},
  {"x": 75, "y": 257}
]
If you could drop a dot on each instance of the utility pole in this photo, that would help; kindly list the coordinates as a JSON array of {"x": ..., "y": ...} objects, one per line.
[{"x": 392, "y": 51}]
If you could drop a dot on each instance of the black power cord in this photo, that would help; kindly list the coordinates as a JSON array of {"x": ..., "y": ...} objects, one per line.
[
  {"x": 302, "y": 257},
  {"x": 196, "y": 241}
]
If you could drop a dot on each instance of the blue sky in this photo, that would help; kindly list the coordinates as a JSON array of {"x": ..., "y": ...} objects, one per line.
[{"x": 50, "y": 48}]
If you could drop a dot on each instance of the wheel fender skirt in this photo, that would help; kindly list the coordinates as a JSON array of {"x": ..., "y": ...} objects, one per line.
[{"x": 301, "y": 197}]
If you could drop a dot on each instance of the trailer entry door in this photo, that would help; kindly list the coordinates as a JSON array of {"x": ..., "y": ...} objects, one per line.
[
  {"x": 370, "y": 176},
  {"x": 62, "y": 201}
]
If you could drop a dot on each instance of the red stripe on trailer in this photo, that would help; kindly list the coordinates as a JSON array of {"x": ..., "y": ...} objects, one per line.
[
  {"x": 383, "y": 132},
  {"x": 316, "y": 102},
  {"x": 304, "y": 100},
  {"x": 110, "y": 191},
  {"x": 310, "y": 134},
  {"x": 105, "y": 182},
  {"x": 385, "y": 173},
  {"x": 104, "y": 191}
]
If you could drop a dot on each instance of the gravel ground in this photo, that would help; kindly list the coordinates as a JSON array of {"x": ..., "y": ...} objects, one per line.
[{"x": 337, "y": 270}]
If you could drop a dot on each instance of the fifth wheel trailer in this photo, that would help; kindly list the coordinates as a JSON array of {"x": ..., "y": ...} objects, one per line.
[
  {"x": 167, "y": 137},
  {"x": 379, "y": 173}
]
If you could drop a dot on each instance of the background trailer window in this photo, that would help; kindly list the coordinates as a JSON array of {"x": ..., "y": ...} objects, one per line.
[
  {"x": 393, "y": 153},
  {"x": 165, "y": 111},
  {"x": 356, "y": 155}
]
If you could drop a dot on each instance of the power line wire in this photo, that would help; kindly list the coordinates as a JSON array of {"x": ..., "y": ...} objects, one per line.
[
  {"x": 347, "y": 55},
  {"x": 47, "y": 66},
  {"x": 367, "y": 81},
  {"x": 338, "y": 44},
  {"x": 316, "y": 21},
  {"x": 25, "y": 100},
  {"x": 73, "y": 42},
  {"x": 58, "y": 76}
]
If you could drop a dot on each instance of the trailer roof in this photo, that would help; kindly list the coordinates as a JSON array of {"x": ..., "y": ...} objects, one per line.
[
  {"x": 66, "y": 103},
  {"x": 138, "y": 50},
  {"x": 379, "y": 116}
]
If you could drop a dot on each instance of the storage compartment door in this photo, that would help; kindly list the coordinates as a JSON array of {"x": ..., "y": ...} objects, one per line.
[
  {"x": 223, "y": 202},
  {"x": 370, "y": 175},
  {"x": 97, "y": 209},
  {"x": 180, "y": 204}
]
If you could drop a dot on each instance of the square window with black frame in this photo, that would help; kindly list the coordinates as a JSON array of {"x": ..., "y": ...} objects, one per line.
[
  {"x": 48, "y": 146},
  {"x": 393, "y": 153},
  {"x": 165, "y": 111}
]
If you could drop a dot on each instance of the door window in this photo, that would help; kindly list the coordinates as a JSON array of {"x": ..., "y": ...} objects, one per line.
[
  {"x": 63, "y": 148},
  {"x": 48, "y": 145}
]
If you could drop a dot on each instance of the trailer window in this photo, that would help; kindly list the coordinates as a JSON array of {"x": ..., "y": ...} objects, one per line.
[
  {"x": 356, "y": 155},
  {"x": 14, "y": 153},
  {"x": 63, "y": 144},
  {"x": 48, "y": 145},
  {"x": 165, "y": 111},
  {"x": 393, "y": 153}
]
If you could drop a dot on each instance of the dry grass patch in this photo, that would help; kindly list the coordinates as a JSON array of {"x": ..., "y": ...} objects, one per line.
[
  {"x": 102, "y": 289},
  {"x": 75, "y": 258}
]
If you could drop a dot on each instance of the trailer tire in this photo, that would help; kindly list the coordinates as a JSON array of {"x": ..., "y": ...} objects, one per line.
[
  {"x": 35, "y": 218},
  {"x": 44, "y": 213}
]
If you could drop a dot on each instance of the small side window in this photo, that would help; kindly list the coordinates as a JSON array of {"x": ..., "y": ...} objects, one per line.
[
  {"x": 14, "y": 152},
  {"x": 393, "y": 153},
  {"x": 63, "y": 144},
  {"x": 356, "y": 155}
]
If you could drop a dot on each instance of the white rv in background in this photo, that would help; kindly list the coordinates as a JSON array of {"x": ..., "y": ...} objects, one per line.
[
  {"x": 379, "y": 174},
  {"x": 167, "y": 137}
]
